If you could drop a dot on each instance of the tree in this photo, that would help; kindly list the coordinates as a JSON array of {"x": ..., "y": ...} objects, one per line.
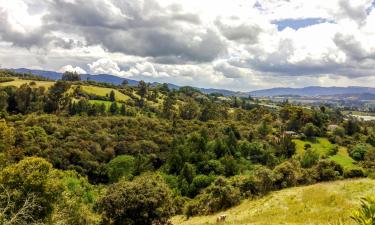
[
  {"x": 57, "y": 98},
  {"x": 351, "y": 126},
  {"x": 125, "y": 82},
  {"x": 71, "y": 76},
  {"x": 142, "y": 89},
  {"x": 3, "y": 101},
  {"x": 310, "y": 130},
  {"x": 32, "y": 178},
  {"x": 146, "y": 200},
  {"x": 121, "y": 166},
  {"x": 189, "y": 110},
  {"x": 113, "y": 108},
  {"x": 11, "y": 213},
  {"x": 112, "y": 97},
  {"x": 7, "y": 136},
  {"x": 123, "y": 109},
  {"x": 168, "y": 106}
]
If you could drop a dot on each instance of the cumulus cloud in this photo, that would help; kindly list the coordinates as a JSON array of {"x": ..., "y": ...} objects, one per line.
[
  {"x": 71, "y": 68},
  {"x": 232, "y": 44}
]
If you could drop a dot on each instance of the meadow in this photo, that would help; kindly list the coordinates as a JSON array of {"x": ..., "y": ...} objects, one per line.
[{"x": 323, "y": 203}]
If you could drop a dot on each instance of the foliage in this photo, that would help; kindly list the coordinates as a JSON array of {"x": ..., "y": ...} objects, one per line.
[
  {"x": 145, "y": 200},
  {"x": 366, "y": 214}
]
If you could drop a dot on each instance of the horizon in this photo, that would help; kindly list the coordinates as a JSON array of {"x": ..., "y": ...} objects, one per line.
[
  {"x": 208, "y": 88},
  {"x": 241, "y": 46}
]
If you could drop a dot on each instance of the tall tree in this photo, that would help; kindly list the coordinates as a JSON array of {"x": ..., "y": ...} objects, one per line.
[
  {"x": 71, "y": 76},
  {"x": 112, "y": 97},
  {"x": 142, "y": 89}
]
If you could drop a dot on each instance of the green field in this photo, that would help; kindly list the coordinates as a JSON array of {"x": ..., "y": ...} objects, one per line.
[
  {"x": 106, "y": 103},
  {"x": 102, "y": 91},
  {"x": 322, "y": 145},
  {"x": 324, "y": 203},
  {"x": 343, "y": 158},
  {"x": 18, "y": 82}
]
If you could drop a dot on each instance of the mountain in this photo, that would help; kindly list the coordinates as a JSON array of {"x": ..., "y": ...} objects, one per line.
[
  {"x": 306, "y": 91},
  {"x": 313, "y": 91},
  {"x": 118, "y": 80}
]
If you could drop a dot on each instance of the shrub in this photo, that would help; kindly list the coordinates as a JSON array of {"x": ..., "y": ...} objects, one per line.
[
  {"x": 328, "y": 170},
  {"x": 199, "y": 183},
  {"x": 287, "y": 174},
  {"x": 218, "y": 196},
  {"x": 354, "y": 172},
  {"x": 145, "y": 200},
  {"x": 121, "y": 166}
]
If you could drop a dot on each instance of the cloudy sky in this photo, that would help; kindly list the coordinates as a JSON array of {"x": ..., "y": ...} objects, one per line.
[{"x": 232, "y": 44}]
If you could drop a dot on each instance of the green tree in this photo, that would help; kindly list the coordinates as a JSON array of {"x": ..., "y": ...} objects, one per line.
[
  {"x": 168, "y": 106},
  {"x": 57, "y": 98},
  {"x": 3, "y": 101},
  {"x": 112, "y": 97},
  {"x": 32, "y": 177},
  {"x": 71, "y": 76},
  {"x": 146, "y": 200},
  {"x": 123, "y": 109},
  {"x": 121, "y": 166},
  {"x": 7, "y": 136},
  {"x": 189, "y": 110},
  {"x": 142, "y": 89},
  {"x": 113, "y": 108}
]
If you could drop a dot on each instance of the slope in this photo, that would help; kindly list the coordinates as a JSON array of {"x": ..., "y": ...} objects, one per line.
[{"x": 324, "y": 203}]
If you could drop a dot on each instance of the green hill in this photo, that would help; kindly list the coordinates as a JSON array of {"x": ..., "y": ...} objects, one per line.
[{"x": 324, "y": 203}]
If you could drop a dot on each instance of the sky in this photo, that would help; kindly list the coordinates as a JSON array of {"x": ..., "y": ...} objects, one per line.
[{"x": 239, "y": 45}]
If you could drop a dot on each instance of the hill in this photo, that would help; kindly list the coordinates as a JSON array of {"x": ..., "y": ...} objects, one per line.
[
  {"x": 324, "y": 203},
  {"x": 306, "y": 91}
]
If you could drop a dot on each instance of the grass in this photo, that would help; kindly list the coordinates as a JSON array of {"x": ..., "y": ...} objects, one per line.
[
  {"x": 343, "y": 158},
  {"x": 324, "y": 203},
  {"x": 102, "y": 91},
  {"x": 18, "y": 82},
  {"x": 322, "y": 145}
]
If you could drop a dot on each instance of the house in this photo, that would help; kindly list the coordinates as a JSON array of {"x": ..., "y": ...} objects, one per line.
[{"x": 290, "y": 133}]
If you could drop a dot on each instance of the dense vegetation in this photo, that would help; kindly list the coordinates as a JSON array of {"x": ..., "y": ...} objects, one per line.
[{"x": 81, "y": 152}]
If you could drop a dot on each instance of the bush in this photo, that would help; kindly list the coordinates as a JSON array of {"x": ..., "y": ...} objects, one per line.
[
  {"x": 121, "y": 166},
  {"x": 145, "y": 200},
  {"x": 199, "y": 183},
  {"x": 287, "y": 174},
  {"x": 358, "y": 151},
  {"x": 354, "y": 172},
  {"x": 328, "y": 170},
  {"x": 218, "y": 196}
]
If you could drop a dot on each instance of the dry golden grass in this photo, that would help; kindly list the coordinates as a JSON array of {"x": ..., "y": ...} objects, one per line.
[{"x": 324, "y": 203}]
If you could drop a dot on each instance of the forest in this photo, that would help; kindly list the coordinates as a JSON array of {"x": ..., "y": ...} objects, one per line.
[{"x": 81, "y": 152}]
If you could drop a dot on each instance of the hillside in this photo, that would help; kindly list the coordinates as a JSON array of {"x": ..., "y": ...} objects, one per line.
[{"x": 324, "y": 203}]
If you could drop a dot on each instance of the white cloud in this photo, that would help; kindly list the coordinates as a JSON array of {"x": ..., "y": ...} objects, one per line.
[
  {"x": 225, "y": 44},
  {"x": 71, "y": 68}
]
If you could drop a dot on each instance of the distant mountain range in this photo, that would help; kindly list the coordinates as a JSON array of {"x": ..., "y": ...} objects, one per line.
[
  {"x": 313, "y": 91},
  {"x": 306, "y": 91}
]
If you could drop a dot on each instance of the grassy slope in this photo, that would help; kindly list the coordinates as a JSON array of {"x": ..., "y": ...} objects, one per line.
[
  {"x": 102, "y": 91},
  {"x": 322, "y": 145},
  {"x": 324, "y": 203},
  {"x": 18, "y": 82},
  {"x": 343, "y": 158}
]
